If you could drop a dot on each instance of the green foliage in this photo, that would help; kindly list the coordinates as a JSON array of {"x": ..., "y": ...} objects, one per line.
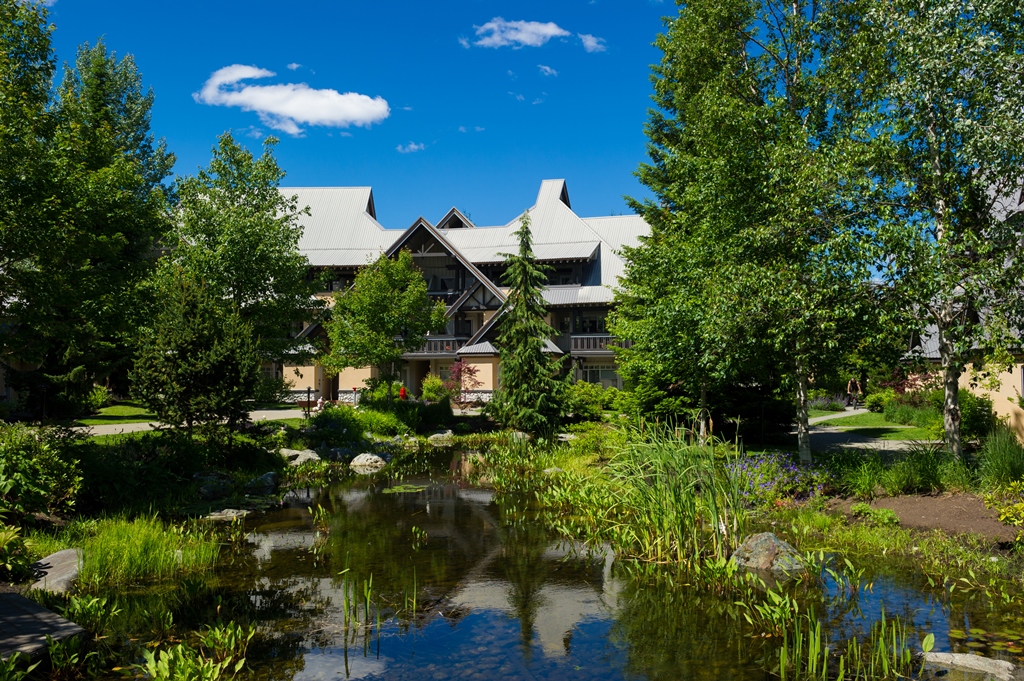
[
  {"x": 1001, "y": 459},
  {"x": 382, "y": 422},
  {"x": 773, "y": 479},
  {"x": 98, "y": 398},
  {"x": 79, "y": 286},
  {"x": 530, "y": 396},
  {"x": 125, "y": 552},
  {"x": 223, "y": 642},
  {"x": 271, "y": 390},
  {"x": 181, "y": 663},
  {"x": 385, "y": 314},
  {"x": 16, "y": 667},
  {"x": 585, "y": 400},
  {"x": 197, "y": 365},
  {"x": 15, "y": 557},
  {"x": 433, "y": 389},
  {"x": 36, "y": 472},
  {"x": 337, "y": 425},
  {"x": 877, "y": 401},
  {"x": 879, "y": 517},
  {"x": 237, "y": 232}
]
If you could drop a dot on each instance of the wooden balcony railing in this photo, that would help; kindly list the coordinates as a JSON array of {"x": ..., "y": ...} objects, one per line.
[
  {"x": 439, "y": 346},
  {"x": 596, "y": 343}
]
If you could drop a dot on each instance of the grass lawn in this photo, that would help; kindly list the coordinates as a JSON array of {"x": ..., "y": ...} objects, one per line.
[
  {"x": 122, "y": 412},
  {"x": 815, "y": 413},
  {"x": 294, "y": 423},
  {"x": 874, "y": 425}
]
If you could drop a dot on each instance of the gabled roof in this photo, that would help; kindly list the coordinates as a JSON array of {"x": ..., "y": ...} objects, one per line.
[
  {"x": 422, "y": 224},
  {"x": 342, "y": 229},
  {"x": 454, "y": 219}
]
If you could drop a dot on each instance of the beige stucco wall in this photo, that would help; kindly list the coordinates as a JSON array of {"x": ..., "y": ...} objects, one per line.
[
  {"x": 355, "y": 378},
  {"x": 1004, "y": 398},
  {"x": 487, "y": 371}
]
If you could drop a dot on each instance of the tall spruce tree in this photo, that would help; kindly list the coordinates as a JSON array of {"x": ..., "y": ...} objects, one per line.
[{"x": 530, "y": 395}]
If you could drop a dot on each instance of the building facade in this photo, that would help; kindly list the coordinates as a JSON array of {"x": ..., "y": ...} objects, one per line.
[{"x": 463, "y": 265}]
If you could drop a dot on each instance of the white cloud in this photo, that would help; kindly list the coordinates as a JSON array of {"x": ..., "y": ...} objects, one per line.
[
  {"x": 518, "y": 96},
  {"x": 253, "y": 131},
  {"x": 500, "y": 33},
  {"x": 478, "y": 129},
  {"x": 48, "y": 3},
  {"x": 511, "y": 74},
  {"x": 464, "y": 42},
  {"x": 547, "y": 70},
  {"x": 294, "y": 66},
  {"x": 410, "y": 148},
  {"x": 462, "y": 128},
  {"x": 591, "y": 43},
  {"x": 538, "y": 101},
  {"x": 284, "y": 107},
  {"x": 406, "y": 108}
]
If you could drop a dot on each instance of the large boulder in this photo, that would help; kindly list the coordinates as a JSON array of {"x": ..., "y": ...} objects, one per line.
[
  {"x": 765, "y": 552},
  {"x": 297, "y": 457},
  {"x": 57, "y": 572},
  {"x": 213, "y": 485},
  {"x": 263, "y": 485},
  {"x": 966, "y": 662},
  {"x": 364, "y": 464},
  {"x": 441, "y": 439}
]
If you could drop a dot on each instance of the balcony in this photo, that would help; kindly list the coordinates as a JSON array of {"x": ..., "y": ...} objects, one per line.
[
  {"x": 595, "y": 344},
  {"x": 437, "y": 347}
]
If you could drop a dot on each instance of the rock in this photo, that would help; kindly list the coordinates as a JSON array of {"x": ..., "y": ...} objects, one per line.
[
  {"x": 768, "y": 553},
  {"x": 227, "y": 514},
  {"x": 566, "y": 437},
  {"x": 57, "y": 572},
  {"x": 999, "y": 669},
  {"x": 442, "y": 439},
  {"x": 552, "y": 471},
  {"x": 364, "y": 464},
  {"x": 340, "y": 454},
  {"x": 265, "y": 484},
  {"x": 213, "y": 485},
  {"x": 290, "y": 455}
]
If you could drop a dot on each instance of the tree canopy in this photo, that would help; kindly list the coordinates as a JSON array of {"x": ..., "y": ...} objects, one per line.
[
  {"x": 237, "y": 232},
  {"x": 385, "y": 314}
]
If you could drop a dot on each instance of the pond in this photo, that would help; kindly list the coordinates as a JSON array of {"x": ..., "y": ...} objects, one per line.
[{"x": 462, "y": 587}]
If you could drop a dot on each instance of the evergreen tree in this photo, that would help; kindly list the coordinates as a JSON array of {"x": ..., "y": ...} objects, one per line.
[
  {"x": 530, "y": 395},
  {"x": 385, "y": 314},
  {"x": 197, "y": 366}
]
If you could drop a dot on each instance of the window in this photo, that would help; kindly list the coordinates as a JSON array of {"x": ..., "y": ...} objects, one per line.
[
  {"x": 444, "y": 370},
  {"x": 604, "y": 374},
  {"x": 590, "y": 322}
]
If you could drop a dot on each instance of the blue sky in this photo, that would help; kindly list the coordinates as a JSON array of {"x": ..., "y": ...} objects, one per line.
[{"x": 468, "y": 103}]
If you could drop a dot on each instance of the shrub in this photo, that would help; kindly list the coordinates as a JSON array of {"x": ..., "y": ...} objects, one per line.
[
  {"x": 912, "y": 413},
  {"x": 1001, "y": 458},
  {"x": 337, "y": 425},
  {"x": 585, "y": 400},
  {"x": 35, "y": 473},
  {"x": 97, "y": 398},
  {"x": 433, "y": 389},
  {"x": 837, "y": 402},
  {"x": 381, "y": 422},
  {"x": 876, "y": 401}
]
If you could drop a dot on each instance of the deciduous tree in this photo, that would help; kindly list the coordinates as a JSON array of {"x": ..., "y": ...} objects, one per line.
[{"x": 385, "y": 314}]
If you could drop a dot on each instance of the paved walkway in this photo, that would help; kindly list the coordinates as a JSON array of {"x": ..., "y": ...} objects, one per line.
[
  {"x": 24, "y": 626},
  {"x": 824, "y": 438},
  {"x": 837, "y": 415},
  {"x": 119, "y": 428}
]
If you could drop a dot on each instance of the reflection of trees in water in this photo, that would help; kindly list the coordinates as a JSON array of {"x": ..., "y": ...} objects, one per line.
[
  {"x": 373, "y": 535},
  {"x": 678, "y": 633},
  {"x": 525, "y": 569}
]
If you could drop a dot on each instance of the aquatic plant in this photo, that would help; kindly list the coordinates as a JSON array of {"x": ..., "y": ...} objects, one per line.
[
  {"x": 16, "y": 667},
  {"x": 123, "y": 552},
  {"x": 224, "y": 642},
  {"x": 181, "y": 663}
]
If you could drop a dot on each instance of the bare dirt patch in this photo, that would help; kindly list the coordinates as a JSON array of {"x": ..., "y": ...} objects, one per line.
[{"x": 951, "y": 513}]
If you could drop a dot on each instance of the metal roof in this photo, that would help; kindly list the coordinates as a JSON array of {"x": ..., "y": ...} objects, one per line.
[
  {"x": 495, "y": 254},
  {"x": 557, "y": 296},
  {"x": 340, "y": 229},
  {"x": 485, "y": 348}
]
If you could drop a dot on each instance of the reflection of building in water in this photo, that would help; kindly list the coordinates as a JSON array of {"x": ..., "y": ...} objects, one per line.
[{"x": 467, "y": 562}]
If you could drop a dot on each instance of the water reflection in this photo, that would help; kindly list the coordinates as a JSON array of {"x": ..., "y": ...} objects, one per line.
[{"x": 496, "y": 597}]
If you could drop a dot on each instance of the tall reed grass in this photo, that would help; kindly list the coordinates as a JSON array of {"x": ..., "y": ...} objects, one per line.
[
  {"x": 122, "y": 552},
  {"x": 682, "y": 501},
  {"x": 1001, "y": 458}
]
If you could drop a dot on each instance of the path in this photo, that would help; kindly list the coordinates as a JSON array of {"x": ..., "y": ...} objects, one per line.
[
  {"x": 837, "y": 415},
  {"x": 120, "y": 428},
  {"x": 24, "y": 626},
  {"x": 824, "y": 438}
]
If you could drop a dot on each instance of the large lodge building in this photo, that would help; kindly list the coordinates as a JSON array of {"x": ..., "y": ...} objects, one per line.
[{"x": 463, "y": 266}]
